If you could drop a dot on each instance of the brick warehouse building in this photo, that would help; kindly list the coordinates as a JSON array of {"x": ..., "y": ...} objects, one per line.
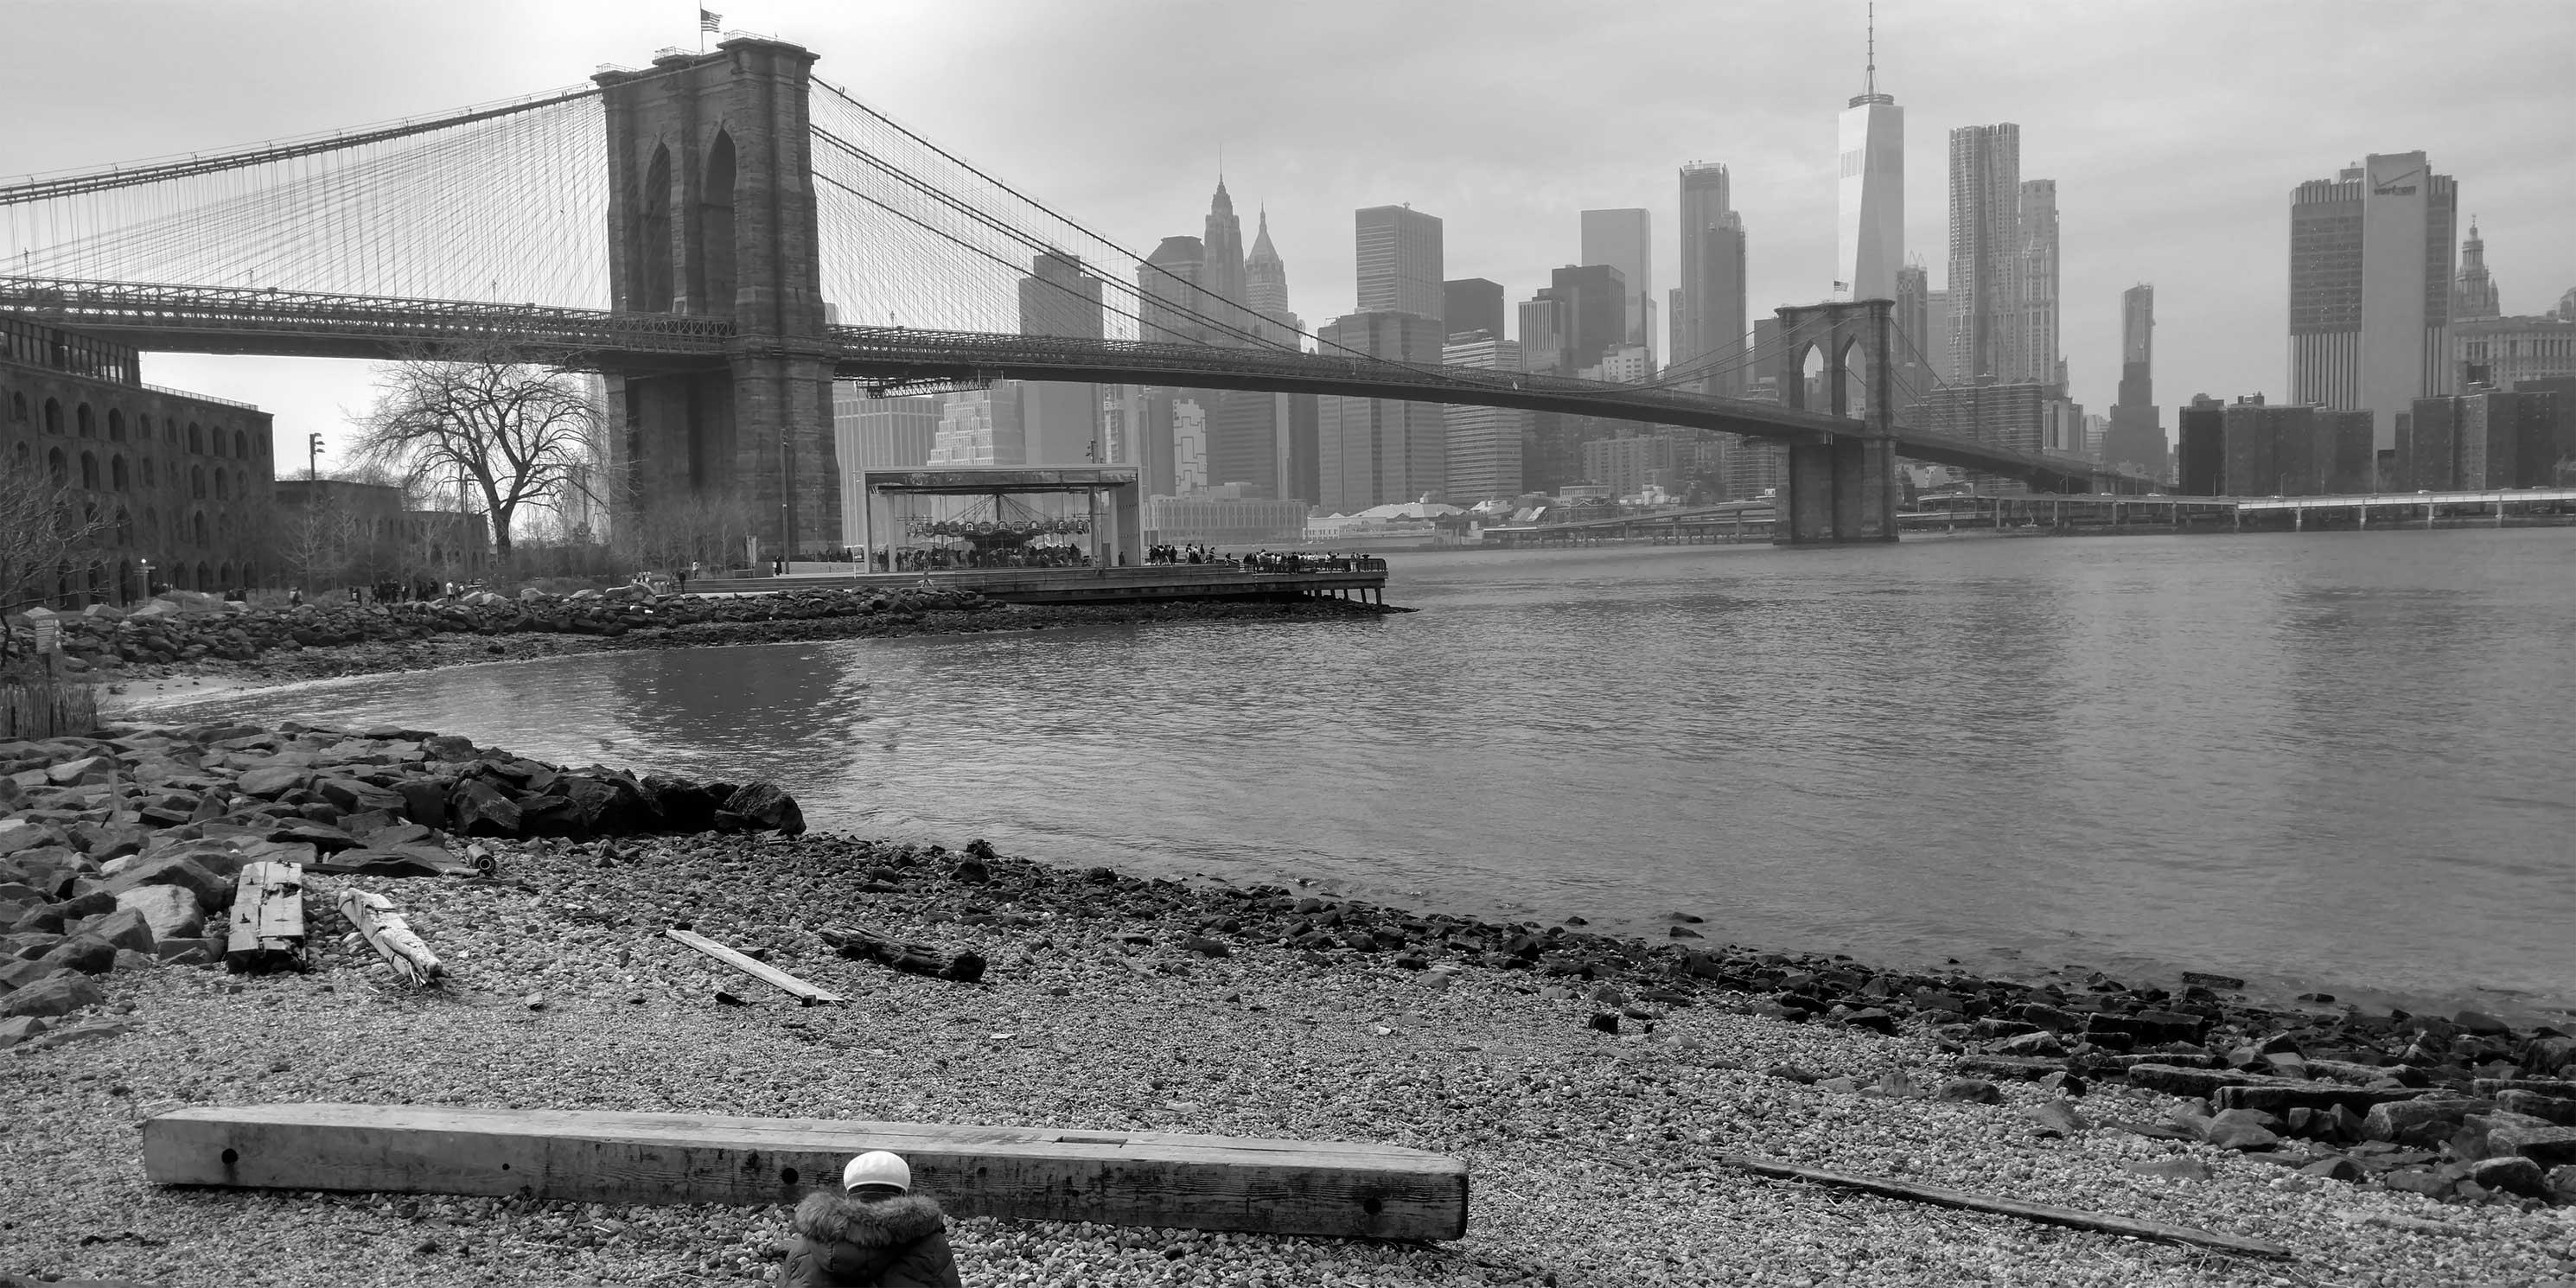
[{"x": 183, "y": 479}]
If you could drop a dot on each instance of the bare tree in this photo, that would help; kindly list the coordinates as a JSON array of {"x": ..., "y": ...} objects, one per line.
[
  {"x": 310, "y": 540},
  {"x": 515, "y": 432},
  {"x": 49, "y": 536}
]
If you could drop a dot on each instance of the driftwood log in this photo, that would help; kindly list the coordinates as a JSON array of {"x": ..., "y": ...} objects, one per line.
[
  {"x": 860, "y": 944},
  {"x": 385, "y": 930}
]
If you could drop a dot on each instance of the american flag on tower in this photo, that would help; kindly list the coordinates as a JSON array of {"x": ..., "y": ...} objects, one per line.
[{"x": 709, "y": 20}]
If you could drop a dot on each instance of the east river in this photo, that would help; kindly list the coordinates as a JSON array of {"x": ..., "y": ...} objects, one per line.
[{"x": 2325, "y": 762}]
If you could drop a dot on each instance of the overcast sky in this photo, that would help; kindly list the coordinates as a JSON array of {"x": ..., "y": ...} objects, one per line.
[{"x": 2175, "y": 130}]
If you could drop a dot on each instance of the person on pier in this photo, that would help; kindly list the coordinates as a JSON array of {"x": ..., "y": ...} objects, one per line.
[{"x": 875, "y": 1233}]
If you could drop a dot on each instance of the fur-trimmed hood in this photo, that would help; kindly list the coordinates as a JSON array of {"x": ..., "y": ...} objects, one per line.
[{"x": 827, "y": 1217}]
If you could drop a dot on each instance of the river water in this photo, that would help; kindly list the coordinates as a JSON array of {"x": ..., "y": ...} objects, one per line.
[{"x": 2332, "y": 762}]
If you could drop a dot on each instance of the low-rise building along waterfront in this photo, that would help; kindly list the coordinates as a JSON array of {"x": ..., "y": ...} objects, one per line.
[{"x": 181, "y": 481}]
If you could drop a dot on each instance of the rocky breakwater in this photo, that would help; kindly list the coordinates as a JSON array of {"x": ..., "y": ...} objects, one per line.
[
  {"x": 122, "y": 851},
  {"x": 184, "y": 627}
]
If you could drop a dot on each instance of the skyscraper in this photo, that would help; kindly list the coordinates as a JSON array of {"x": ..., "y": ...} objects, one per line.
[
  {"x": 1265, "y": 289},
  {"x": 1400, "y": 261},
  {"x": 2041, "y": 358},
  {"x": 1222, "y": 274},
  {"x": 1472, "y": 304},
  {"x": 1484, "y": 443},
  {"x": 1710, "y": 315},
  {"x": 1869, "y": 223},
  {"x": 2136, "y": 441},
  {"x": 2475, "y": 296},
  {"x": 2370, "y": 288},
  {"x": 1059, "y": 420},
  {"x": 1575, "y": 319},
  {"x": 1169, "y": 280},
  {"x": 1625, "y": 240},
  {"x": 1985, "y": 253},
  {"x": 1378, "y": 451}
]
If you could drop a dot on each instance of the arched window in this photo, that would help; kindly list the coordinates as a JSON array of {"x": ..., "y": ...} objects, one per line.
[
  {"x": 86, "y": 421},
  {"x": 224, "y": 575},
  {"x": 24, "y": 457},
  {"x": 200, "y": 527},
  {"x": 124, "y": 529},
  {"x": 89, "y": 470},
  {"x": 223, "y": 445},
  {"x": 116, "y": 472},
  {"x": 205, "y": 578},
  {"x": 115, "y": 425},
  {"x": 57, "y": 466},
  {"x": 53, "y": 416},
  {"x": 196, "y": 440},
  {"x": 250, "y": 574},
  {"x": 714, "y": 279},
  {"x": 149, "y": 472},
  {"x": 18, "y": 407},
  {"x": 241, "y": 484},
  {"x": 223, "y": 486},
  {"x": 241, "y": 445},
  {"x": 197, "y": 482}
]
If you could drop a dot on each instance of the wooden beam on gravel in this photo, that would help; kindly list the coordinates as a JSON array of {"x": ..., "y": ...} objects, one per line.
[
  {"x": 1321, "y": 1188},
  {"x": 804, "y": 993},
  {"x": 2040, "y": 1212}
]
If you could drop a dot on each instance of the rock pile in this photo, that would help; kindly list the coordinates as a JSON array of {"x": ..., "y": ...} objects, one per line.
[
  {"x": 187, "y": 627},
  {"x": 117, "y": 850}
]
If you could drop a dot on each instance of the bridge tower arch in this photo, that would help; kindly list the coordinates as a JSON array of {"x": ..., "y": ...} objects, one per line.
[
  {"x": 711, "y": 213},
  {"x": 1840, "y": 487}
]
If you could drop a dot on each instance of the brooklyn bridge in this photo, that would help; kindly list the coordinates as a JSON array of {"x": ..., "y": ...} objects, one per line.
[{"x": 689, "y": 231}]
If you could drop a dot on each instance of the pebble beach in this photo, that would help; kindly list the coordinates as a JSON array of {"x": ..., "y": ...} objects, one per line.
[{"x": 1112, "y": 1003}]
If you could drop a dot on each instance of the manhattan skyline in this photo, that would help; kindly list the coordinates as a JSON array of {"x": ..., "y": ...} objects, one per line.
[{"x": 2173, "y": 163}]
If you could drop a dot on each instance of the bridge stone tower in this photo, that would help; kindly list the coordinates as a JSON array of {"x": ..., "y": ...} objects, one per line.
[
  {"x": 1841, "y": 487},
  {"x": 711, "y": 214}
]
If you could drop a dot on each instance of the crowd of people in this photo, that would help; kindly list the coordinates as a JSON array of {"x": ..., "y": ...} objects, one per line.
[
  {"x": 1189, "y": 554},
  {"x": 937, "y": 557}
]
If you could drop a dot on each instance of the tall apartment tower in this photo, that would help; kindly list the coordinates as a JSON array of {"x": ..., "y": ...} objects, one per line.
[
  {"x": 1625, "y": 240},
  {"x": 1400, "y": 261},
  {"x": 1711, "y": 309},
  {"x": 2040, "y": 359},
  {"x": 1265, "y": 289},
  {"x": 1985, "y": 286},
  {"x": 2370, "y": 288},
  {"x": 2136, "y": 440},
  {"x": 1484, "y": 443},
  {"x": 1869, "y": 223},
  {"x": 2475, "y": 296}
]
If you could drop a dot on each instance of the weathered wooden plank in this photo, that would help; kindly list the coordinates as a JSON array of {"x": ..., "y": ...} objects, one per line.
[
  {"x": 2071, "y": 1218},
  {"x": 267, "y": 917},
  {"x": 1034, "y": 1173},
  {"x": 759, "y": 970}
]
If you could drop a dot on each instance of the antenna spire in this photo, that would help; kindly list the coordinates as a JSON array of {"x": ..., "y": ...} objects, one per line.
[{"x": 1873, "y": 48}]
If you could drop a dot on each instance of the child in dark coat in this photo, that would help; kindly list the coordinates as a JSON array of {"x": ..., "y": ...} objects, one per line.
[{"x": 875, "y": 1233}]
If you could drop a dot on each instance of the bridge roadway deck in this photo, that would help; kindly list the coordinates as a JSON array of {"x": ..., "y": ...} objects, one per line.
[
  {"x": 244, "y": 320},
  {"x": 1148, "y": 583}
]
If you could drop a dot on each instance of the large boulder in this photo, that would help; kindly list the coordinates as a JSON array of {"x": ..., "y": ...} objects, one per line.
[
  {"x": 2421, "y": 1124},
  {"x": 171, "y": 911},
  {"x": 271, "y": 782},
  {"x": 124, "y": 928},
  {"x": 184, "y": 871},
  {"x": 761, "y": 806},
  {"x": 52, "y": 996},
  {"x": 354, "y": 797},
  {"x": 84, "y": 955},
  {"x": 684, "y": 806},
  {"x": 476, "y": 808}
]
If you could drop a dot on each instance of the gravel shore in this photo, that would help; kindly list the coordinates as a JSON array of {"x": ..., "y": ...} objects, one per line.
[{"x": 1593, "y": 1156}]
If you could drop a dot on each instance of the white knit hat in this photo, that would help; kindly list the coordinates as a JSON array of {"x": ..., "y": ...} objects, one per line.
[{"x": 877, "y": 1167}]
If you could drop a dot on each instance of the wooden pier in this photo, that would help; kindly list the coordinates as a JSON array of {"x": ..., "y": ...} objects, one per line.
[{"x": 1361, "y": 579}]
